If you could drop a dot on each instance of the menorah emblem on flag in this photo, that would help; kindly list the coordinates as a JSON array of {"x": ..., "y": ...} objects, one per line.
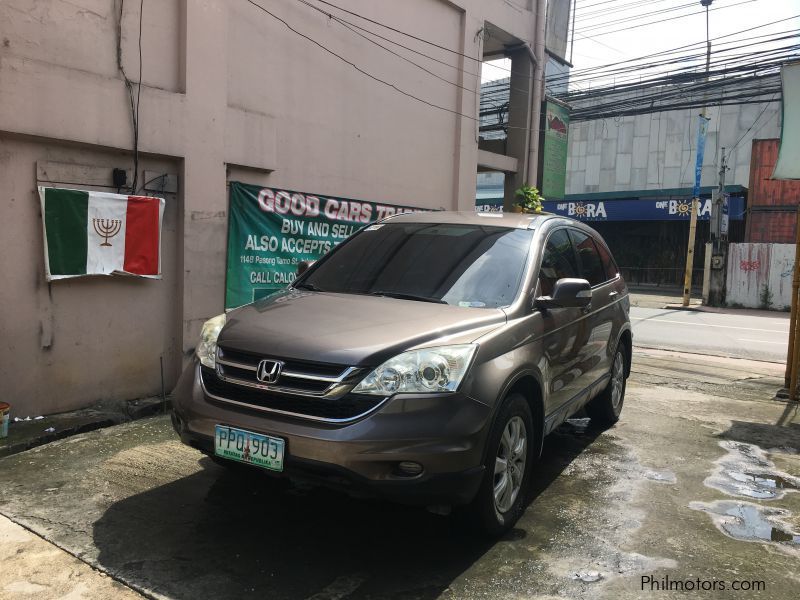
[{"x": 106, "y": 228}]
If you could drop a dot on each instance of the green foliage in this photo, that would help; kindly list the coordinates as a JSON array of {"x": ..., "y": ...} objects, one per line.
[{"x": 530, "y": 198}]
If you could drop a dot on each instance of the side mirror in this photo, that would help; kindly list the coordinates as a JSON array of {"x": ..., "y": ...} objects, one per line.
[
  {"x": 303, "y": 266},
  {"x": 567, "y": 293}
]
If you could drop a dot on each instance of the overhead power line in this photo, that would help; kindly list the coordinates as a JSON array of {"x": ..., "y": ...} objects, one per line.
[
  {"x": 632, "y": 18},
  {"x": 367, "y": 73},
  {"x": 668, "y": 19},
  {"x": 412, "y": 36}
]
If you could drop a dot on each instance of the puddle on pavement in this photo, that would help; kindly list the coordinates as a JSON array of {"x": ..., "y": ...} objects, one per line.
[
  {"x": 746, "y": 471},
  {"x": 751, "y": 522}
]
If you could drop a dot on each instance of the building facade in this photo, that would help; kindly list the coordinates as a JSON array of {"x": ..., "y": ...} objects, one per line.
[{"x": 228, "y": 93}]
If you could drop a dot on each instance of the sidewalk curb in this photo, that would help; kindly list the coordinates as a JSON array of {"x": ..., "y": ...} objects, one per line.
[{"x": 79, "y": 421}]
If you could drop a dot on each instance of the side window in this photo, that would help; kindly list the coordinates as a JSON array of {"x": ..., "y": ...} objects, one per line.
[
  {"x": 608, "y": 262},
  {"x": 558, "y": 261},
  {"x": 590, "y": 262}
]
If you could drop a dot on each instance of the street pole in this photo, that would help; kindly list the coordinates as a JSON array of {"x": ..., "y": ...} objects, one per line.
[
  {"x": 687, "y": 281},
  {"x": 791, "y": 361},
  {"x": 687, "y": 276}
]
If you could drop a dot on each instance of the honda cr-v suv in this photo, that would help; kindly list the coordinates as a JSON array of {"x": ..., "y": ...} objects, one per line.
[{"x": 424, "y": 359}]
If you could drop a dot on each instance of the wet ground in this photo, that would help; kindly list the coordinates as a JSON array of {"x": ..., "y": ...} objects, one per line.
[{"x": 698, "y": 482}]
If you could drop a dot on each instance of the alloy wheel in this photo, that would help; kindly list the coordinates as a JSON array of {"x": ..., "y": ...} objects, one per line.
[
  {"x": 509, "y": 466},
  {"x": 617, "y": 380}
]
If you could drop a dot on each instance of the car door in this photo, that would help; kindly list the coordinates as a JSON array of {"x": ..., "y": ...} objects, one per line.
[
  {"x": 562, "y": 326},
  {"x": 596, "y": 356}
]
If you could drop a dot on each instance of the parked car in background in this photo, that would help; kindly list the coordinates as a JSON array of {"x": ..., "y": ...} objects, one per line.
[{"x": 424, "y": 360}]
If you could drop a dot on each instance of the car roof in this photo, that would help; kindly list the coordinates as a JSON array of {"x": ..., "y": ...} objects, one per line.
[{"x": 471, "y": 217}]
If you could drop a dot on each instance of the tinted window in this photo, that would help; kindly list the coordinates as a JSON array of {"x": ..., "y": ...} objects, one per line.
[
  {"x": 608, "y": 262},
  {"x": 591, "y": 264},
  {"x": 465, "y": 265},
  {"x": 558, "y": 261}
]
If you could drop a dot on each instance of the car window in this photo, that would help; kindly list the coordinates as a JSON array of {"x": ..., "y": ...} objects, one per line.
[
  {"x": 590, "y": 262},
  {"x": 474, "y": 266},
  {"x": 558, "y": 261},
  {"x": 608, "y": 261}
]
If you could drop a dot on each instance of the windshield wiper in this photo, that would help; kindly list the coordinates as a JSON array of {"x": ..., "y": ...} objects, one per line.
[
  {"x": 307, "y": 286},
  {"x": 403, "y": 296}
]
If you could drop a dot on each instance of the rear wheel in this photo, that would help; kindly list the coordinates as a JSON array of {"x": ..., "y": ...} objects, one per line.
[
  {"x": 501, "y": 498},
  {"x": 607, "y": 406}
]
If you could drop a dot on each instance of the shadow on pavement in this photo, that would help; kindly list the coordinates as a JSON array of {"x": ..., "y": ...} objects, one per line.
[
  {"x": 227, "y": 534},
  {"x": 786, "y": 434}
]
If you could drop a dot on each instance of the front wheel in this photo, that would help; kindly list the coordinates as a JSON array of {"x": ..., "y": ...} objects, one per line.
[
  {"x": 501, "y": 498},
  {"x": 607, "y": 406}
]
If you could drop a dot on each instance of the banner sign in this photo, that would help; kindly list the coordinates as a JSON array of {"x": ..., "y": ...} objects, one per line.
[
  {"x": 554, "y": 151},
  {"x": 639, "y": 209},
  {"x": 270, "y": 231},
  {"x": 788, "y": 165},
  {"x": 97, "y": 233},
  {"x": 702, "y": 129}
]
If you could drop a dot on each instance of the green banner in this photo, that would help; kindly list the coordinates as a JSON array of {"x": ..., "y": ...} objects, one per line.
[
  {"x": 270, "y": 231},
  {"x": 554, "y": 151}
]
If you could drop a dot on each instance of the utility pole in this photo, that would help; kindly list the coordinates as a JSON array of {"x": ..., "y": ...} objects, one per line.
[
  {"x": 719, "y": 237},
  {"x": 687, "y": 279}
]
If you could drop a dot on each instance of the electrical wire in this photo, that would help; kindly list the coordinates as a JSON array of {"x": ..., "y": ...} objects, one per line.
[
  {"x": 138, "y": 99},
  {"x": 669, "y": 19},
  {"x": 389, "y": 50},
  {"x": 414, "y": 37},
  {"x": 763, "y": 110},
  {"x": 134, "y": 104},
  {"x": 356, "y": 67}
]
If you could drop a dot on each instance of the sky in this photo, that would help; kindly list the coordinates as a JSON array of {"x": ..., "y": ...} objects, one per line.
[{"x": 591, "y": 49}]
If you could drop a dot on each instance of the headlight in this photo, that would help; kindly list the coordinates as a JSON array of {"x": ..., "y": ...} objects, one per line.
[
  {"x": 207, "y": 348},
  {"x": 438, "y": 369}
]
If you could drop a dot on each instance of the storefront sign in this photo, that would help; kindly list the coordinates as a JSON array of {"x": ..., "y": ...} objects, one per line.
[
  {"x": 270, "y": 231},
  {"x": 638, "y": 209}
]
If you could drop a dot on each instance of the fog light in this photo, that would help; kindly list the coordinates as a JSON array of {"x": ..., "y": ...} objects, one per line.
[{"x": 409, "y": 468}]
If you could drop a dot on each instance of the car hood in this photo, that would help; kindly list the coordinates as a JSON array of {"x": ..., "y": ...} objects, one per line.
[{"x": 349, "y": 329}]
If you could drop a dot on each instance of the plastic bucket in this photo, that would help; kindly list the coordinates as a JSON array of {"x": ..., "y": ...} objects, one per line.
[{"x": 5, "y": 410}]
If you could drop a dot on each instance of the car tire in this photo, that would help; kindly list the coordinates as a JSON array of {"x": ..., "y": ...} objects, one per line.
[
  {"x": 606, "y": 407},
  {"x": 490, "y": 514}
]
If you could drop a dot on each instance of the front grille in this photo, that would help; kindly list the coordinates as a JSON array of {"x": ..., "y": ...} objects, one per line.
[
  {"x": 343, "y": 408},
  {"x": 304, "y": 378}
]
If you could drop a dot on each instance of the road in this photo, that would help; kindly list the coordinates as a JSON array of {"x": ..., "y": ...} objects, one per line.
[{"x": 735, "y": 334}]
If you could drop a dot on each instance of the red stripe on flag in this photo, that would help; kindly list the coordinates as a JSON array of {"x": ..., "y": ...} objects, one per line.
[{"x": 141, "y": 236}]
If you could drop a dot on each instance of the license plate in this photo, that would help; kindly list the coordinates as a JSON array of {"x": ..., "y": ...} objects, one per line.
[{"x": 249, "y": 447}]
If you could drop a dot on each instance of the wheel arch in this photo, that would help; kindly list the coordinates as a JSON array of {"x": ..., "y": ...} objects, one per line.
[
  {"x": 529, "y": 385},
  {"x": 626, "y": 339}
]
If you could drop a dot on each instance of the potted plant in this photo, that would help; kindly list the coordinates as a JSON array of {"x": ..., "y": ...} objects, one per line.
[{"x": 530, "y": 200}]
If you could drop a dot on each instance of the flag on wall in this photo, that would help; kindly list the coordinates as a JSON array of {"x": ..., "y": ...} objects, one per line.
[{"x": 97, "y": 233}]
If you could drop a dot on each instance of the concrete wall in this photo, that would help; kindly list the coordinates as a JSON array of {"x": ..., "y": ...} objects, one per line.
[
  {"x": 754, "y": 268},
  {"x": 658, "y": 151},
  {"x": 228, "y": 93}
]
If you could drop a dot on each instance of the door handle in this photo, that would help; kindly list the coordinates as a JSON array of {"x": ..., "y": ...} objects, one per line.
[{"x": 612, "y": 294}]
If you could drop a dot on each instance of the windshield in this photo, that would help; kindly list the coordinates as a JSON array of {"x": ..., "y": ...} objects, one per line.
[{"x": 464, "y": 265}]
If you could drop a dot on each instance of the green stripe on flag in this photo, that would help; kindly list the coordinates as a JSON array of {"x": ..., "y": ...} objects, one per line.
[{"x": 65, "y": 215}]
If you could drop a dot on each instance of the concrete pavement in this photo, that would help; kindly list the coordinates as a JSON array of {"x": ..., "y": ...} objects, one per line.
[
  {"x": 31, "y": 567},
  {"x": 757, "y": 335},
  {"x": 697, "y": 482}
]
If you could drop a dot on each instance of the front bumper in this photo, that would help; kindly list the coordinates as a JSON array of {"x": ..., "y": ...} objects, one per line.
[{"x": 445, "y": 433}]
